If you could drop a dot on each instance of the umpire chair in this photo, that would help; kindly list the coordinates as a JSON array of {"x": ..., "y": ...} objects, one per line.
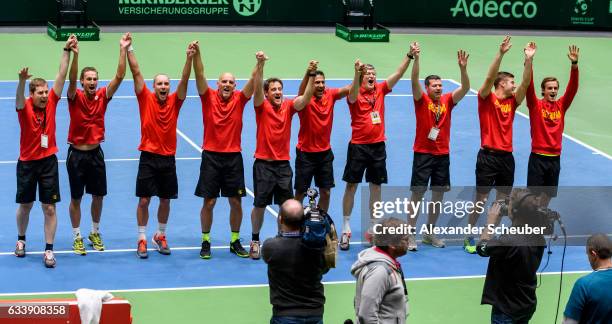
[
  {"x": 72, "y": 8},
  {"x": 363, "y": 9}
]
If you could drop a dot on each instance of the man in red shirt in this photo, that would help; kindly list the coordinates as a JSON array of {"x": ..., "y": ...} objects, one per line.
[
  {"x": 547, "y": 119},
  {"x": 431, "y": 160},
  {"x": 85, "y": 162},
  {"x": 37, "y": 164},
  {"x": 366, "y": 150},
  {"x": 157, "y": 168},
  {"x": 314, "y": 157},
  {"x": 272, "y": 174},
  {"x": 495, "y": 162},
  {"x": 222, "y": 168}
]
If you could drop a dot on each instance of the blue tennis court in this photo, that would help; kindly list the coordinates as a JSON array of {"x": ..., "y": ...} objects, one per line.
[{"x": 118, "y": 268}]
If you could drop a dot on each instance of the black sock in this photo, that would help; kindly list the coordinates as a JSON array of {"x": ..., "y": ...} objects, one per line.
[
  {"x": 255, "y": 237},
  {"x": 49, "y": 247},
  {"x": 21, "y": 237}
]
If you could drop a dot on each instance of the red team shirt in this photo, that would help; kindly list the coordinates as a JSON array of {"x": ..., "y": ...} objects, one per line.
[
  {"x": 316, "y": 121},
  {"x": 364, "y": 131},
  {"x": 87, "y": 117},
  {"x": 425, "y": 111},
  {"x": 496, "y": 117},
  {"x": 547, "y": 119},
  {"x": 222, "y": 121},
  {"x": 273, "y": 130},
  {"x": 31, "y": 122},
  {"x": 158, "y": 122}
]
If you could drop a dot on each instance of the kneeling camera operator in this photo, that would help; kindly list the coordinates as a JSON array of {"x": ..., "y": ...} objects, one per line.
[
  {"x": 296, "y": 260},
  {"x": 514, "y": 258}
]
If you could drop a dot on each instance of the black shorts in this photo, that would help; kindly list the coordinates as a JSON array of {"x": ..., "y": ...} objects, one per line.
[
  {"x": 41, "y": 172},
  {"x": 494, "y": 168},
  {"x": 221, "y": 172},
  {"x": 429, "y": 166},
  {"x": 543, "y": 173},
  {"x": 86, "y": 171},
  {"x": 370, "y": 158},
  {"x": 156, "y": 176},
  {"x": 317, "y": 165},
  {"x": 272, "y": 179}
]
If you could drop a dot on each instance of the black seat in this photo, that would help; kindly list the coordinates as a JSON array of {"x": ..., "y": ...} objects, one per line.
[
  {"x": 363, "y": 9},
  {"x": 72, "y": 8}
]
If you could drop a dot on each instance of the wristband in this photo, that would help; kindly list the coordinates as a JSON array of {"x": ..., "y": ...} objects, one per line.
[
  {"x": 410, "y": 56},
  {"x": 67, "y": 49},
  {"x": 574, "y": 62},
  {"x": 311, "y": 74},
  {"x": 130, "y": 48}
]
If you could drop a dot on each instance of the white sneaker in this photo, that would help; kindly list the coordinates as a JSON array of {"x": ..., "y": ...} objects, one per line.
[{"x": 49, "y": 259}]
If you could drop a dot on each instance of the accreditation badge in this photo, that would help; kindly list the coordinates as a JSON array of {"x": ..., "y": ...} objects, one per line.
[
  {"x": 44, "y": 141},
  {"x": 433, "y": 133},
  {"x": 375, "y": 118}
]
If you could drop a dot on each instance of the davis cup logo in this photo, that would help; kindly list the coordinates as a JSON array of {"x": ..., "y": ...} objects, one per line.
[{"x": 247, "y": 7}]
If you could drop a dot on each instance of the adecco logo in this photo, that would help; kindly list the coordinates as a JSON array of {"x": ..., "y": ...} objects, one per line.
[
  {"x": 247, "y": 7},
  {"x": 493, "y": 8}
]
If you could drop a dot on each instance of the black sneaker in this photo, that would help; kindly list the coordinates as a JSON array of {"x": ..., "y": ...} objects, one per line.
[
  {"x": 205, "y": 251},
  {"x": 237, "y": 249}
]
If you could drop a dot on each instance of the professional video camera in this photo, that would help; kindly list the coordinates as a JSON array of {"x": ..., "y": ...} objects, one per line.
[
  {"x": 543, "y": 216},
  {"x": 319, "y": 231}
]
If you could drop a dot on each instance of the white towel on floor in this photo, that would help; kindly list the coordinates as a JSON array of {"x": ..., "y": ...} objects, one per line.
[{"x": 90, "y": 304}]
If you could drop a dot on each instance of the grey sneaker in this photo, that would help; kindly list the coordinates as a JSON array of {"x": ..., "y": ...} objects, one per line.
[
  {"x": 255, "y": 250},
  {"x": 49, "y": 259},
  {"x": 160, "y": 243},
  {"x": 412, "y": 243},
  {"x": 20, "y": 249},
  {"x": 432, "y": 240}
]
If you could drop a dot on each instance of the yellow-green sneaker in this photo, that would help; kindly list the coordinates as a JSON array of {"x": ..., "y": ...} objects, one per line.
[
  {"x": 469, "y": 245},
  {"x": 78, "y": 247},
  {"x": 95, "y": 240}
]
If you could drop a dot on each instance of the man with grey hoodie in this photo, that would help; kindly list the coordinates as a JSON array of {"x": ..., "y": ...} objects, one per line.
[{"x": 381, "y": 296}]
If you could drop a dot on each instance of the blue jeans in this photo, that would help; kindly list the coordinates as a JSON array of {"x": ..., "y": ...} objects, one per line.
[
  {"x": 497, "y": 317},
  {"x": 296, "y": 320}
]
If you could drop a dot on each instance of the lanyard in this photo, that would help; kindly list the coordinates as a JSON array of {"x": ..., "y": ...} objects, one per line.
[
  {"x": 399, "y": 267},
  {"x": 44, "y": 121}
]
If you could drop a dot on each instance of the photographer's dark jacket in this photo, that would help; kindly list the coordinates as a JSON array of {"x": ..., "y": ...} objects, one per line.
[
  {"x": 294, "y": 274},
  {"x": 511, "y": 281}
]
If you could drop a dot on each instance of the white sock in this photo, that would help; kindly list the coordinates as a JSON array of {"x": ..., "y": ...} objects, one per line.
[
  {"x": 76, "y": 232},
  {"x": 346, "y": 226},
  {"x": 141, "y": 232},
  {"x": 95, "y": 227},
  {"x": 161, "y": 228}
]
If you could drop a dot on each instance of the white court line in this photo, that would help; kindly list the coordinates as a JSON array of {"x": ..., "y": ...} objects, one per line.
[
  {"x": 577, "y": 141},
  {"x": 261, "y": 285},
  {"x": 113, "y": 160},
  {"x": 192, "y": 143}
]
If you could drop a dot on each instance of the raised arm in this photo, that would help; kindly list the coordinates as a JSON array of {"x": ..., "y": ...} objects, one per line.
[
  {"x": 258, "y": 79},
  {"x": 397, "y": 75},
  {"x": 198, "y": 69},
  {"x": 459, "y": 93},
  {"x": 572, "y": 85},
  {"x": 249, "y": 87},
  {"x": 354, "y": 89},
  {"x": 304, "y": 82},
  {"x": 60, "y": 78},
  {"x": 417, "y": 92},
  {"x": 301, "y": 101},
  {"x": 113, "y": 85},
  {"x": 74, "y": 71},
  {"x": 20, "y": 96},
  {"x": 485, "y": 90},
  {"x": 134, "y": 68},
  {"x": 529, "y": 50},
  {"x": 181, "y": 89}
]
